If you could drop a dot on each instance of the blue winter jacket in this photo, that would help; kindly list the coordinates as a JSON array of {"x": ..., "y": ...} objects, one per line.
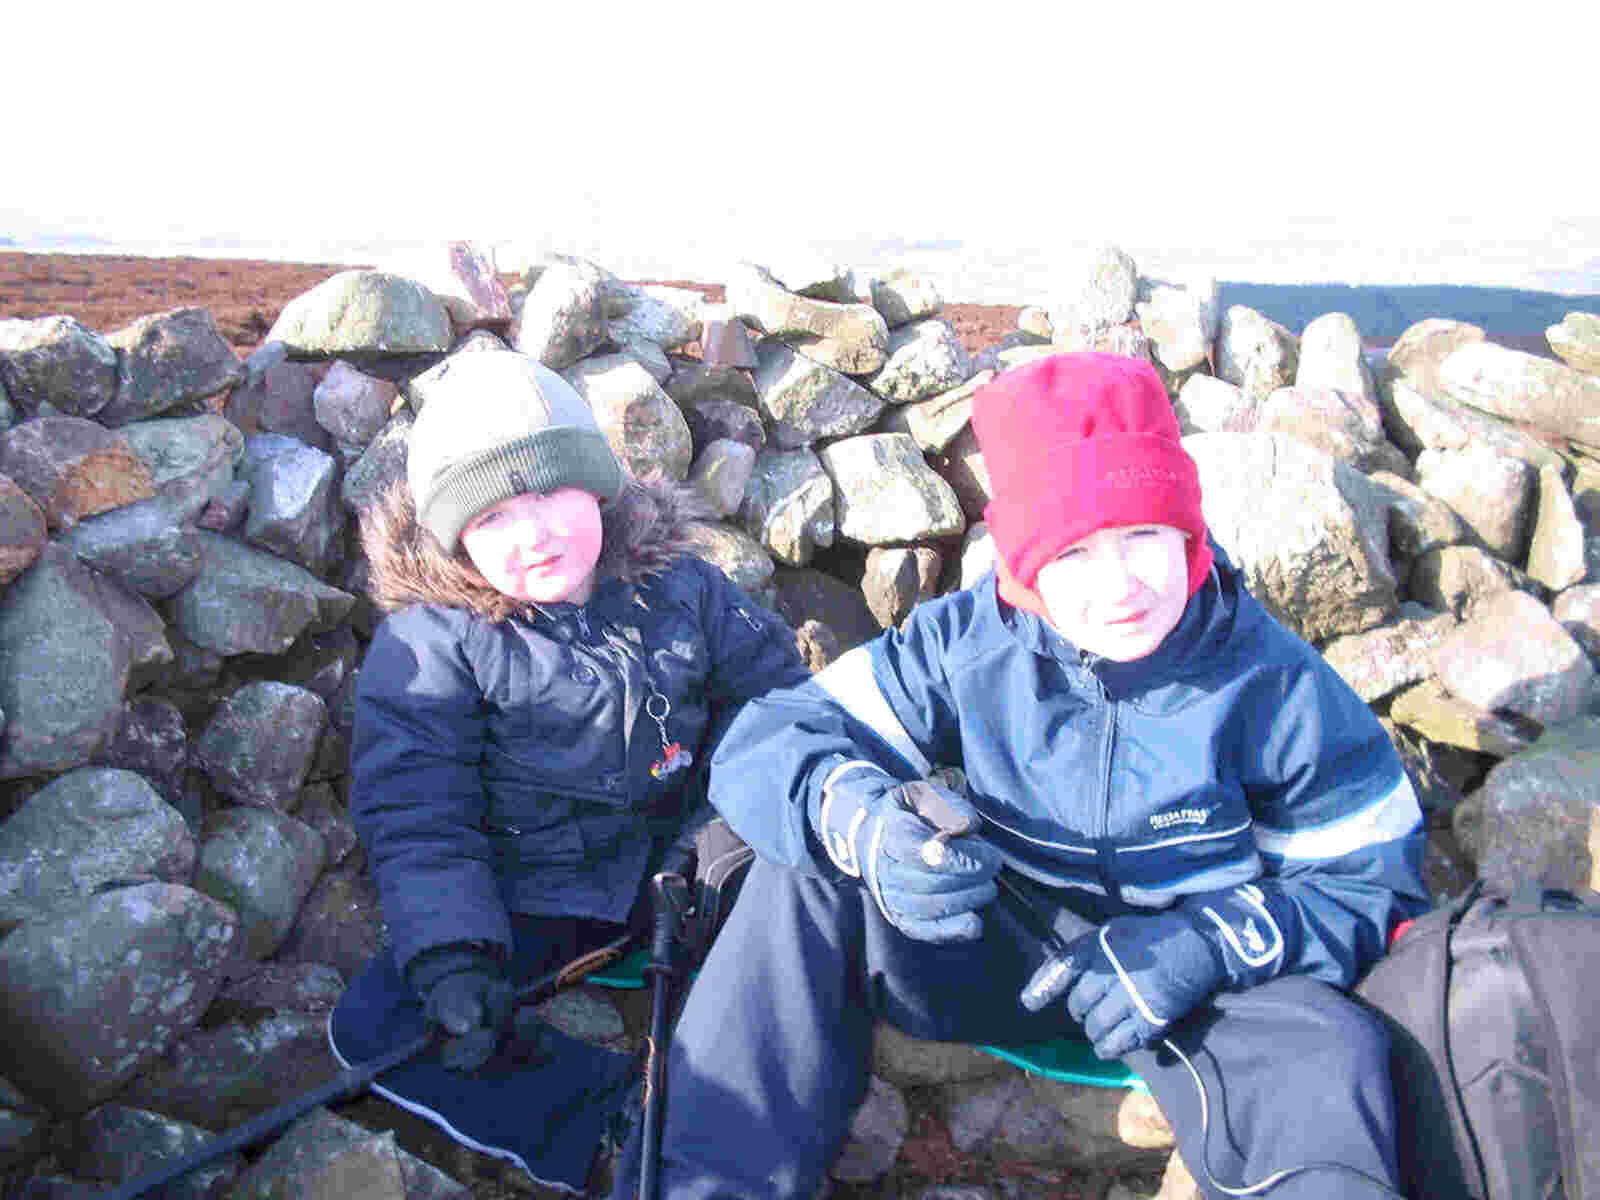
[
  {"x": 506, "y": 766},
  {"x": 1233, "y": 753}
]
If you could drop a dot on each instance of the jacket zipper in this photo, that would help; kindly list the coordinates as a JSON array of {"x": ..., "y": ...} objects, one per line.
[
  {"x": 1104, "y": 854},
  {"x": 608, "y": 650}
]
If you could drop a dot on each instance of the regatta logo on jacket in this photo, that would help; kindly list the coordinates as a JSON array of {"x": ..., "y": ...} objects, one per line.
[
  {"x": 1179, "y": 816},
  {"x": 1142, "y": 475},
  {"x": 1253, "y": 938}
]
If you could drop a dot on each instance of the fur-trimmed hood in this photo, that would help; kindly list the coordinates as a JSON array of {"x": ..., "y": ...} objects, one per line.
[{"x": 651, "y": 523}]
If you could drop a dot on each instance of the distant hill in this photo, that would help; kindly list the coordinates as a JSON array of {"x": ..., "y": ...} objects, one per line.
[{"x": 1383, "y": 312}]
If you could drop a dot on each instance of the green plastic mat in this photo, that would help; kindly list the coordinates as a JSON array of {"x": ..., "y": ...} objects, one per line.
[
  {"x": 626, "y": 972},
  {"x": 1069, "y": 1060}
]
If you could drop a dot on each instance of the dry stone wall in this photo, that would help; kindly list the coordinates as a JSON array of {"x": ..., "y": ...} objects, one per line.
[{"x": 183, "y": 614}]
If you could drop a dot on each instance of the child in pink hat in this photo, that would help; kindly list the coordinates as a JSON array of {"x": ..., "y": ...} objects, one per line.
[{"x": 1214, "y": 826}]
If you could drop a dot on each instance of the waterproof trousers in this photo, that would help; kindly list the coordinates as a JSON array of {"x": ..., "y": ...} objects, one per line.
[
  {"x": 544, "y": 1101},
  {"x": 771, "y": 1054}
]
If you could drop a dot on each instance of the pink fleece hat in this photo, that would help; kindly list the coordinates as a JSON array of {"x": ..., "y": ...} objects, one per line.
[{"x": 1079, "y": 442}]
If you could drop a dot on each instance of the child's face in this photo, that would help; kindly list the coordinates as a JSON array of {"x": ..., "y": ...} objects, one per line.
[
  {"x": 1118, "y": 592},
  {"x": 539, "y": 548}
]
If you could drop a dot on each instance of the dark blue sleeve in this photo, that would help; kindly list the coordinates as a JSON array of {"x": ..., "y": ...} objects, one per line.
[
  {"x": 877, "y": 703},
  {"x": 752, "y": 651},
  {"x": 416, "y": 796},
  {"x": 1337, "y": 824}
]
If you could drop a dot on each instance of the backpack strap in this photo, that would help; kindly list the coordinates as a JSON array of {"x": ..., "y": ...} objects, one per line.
[
  {"x": 1560, "y": 955},
  {"x": 1409, "y": 989}
]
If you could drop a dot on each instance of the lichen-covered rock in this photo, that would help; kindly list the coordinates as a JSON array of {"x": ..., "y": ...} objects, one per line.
[
  {"x": 86, "y": 828},
  {"x": 167, "y": 360},
  {"x": 363, "y": 312},
  {"x": 55, "y": 362},
  {"x": 73, "y": 468},
  {"x": 114, "y": 978}
]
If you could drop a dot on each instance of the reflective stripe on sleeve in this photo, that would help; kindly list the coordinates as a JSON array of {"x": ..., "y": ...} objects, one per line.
[
  {"x": 1392, "y": 816},
  {"x": 848, "y": 681}
]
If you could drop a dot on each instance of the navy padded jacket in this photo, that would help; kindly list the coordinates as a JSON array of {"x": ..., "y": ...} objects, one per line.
[{"x": 1231, "y": 755}]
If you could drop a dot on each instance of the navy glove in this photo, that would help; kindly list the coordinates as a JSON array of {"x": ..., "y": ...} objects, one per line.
[
  {"x": 927, "y": 887},
  {"x": 1130, "y": 980},
  {"x": 465, "y": 992}
]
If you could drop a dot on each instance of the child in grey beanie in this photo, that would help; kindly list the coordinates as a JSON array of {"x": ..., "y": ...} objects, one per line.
[{"x": 533, "y": 718}]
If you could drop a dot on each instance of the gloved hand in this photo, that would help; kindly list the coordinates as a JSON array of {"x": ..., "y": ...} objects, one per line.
[
  {"x": 1130, "y": 980},
  {"x": 864, "y": 821},
  {"x": 465, "y": 992}
]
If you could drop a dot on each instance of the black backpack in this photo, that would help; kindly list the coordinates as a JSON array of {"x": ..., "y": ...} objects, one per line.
[{"x": 1493, "y": 1005}]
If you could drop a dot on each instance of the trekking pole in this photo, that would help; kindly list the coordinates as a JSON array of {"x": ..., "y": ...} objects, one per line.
[
  {"x": 670, "y": 900},
  {"x": 346, "y": 1083},
  {"x": 355, "y": 1079},
  {"x": 947, "y": 823}
]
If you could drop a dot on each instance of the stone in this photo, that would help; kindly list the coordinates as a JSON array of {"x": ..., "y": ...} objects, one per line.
[
  {"x": 935, "y": 422},
  {"x": 1522, "y": 387},
  {"x": 1438, "y": 716},
  {"x": 1576, "y": 340},
  {"x": 245, "y": 600},
  {"x": 351, "y": 406},
  {"x": 925, "y": 358},
  {"x": 65, "y": 664},
  {"x": 640, "y": 421},
  {"x": 143, "y": 546},
  {"x": 1536, "y": 819},
  {"x": 1512, "y": 657},
  {"x": 82, "y": 830},
  {"x": 168, "y": 360},
  {"x": 721, "y": 473},
  {"x": 1379, "y": 662},
  {"x": 563, "y": 318},
  {"x": 1309, "y": 533},
  {"x": 1343, "y": 424},
  {"x": 1255, "y": 354},
  {"x": 885, "y": 492},
  {"x": 902, "y": 295},
  {"x": 1093, "y": 295},
  {"x": 116, "y": 977},
  {"x": 22, "y": 530},
  {"x": 55, "y": 363},
  {"x": 1206, "y": 404},
  {"x": 258, "y": 747},
  {"x": 191, "y": 460},
  {"x": 1331, "y": 357},
  {"x": 1493, "y": 493},
  {"x": 850, "y": 338},
  {"x": 805, "y": 401},
  {"x": 788, "y": 505},
  {"x": 361, "y": 311},
  {"x": 1556, "y": 543},
  {"x": 1180, "y": 319},
  {"x": 463, "y": 276},
  {"x": 73, "y": 468},
  {"x": 261, "y": 864}
]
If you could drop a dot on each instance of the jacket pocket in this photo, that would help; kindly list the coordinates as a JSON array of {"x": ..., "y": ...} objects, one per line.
[{"x": 549, "y": 846}]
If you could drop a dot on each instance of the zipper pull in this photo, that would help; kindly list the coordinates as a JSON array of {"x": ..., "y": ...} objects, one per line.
[{"x": 749, "y": 620}]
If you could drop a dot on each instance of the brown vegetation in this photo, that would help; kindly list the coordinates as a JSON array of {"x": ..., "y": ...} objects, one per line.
[{"x": 244, "y": 296}]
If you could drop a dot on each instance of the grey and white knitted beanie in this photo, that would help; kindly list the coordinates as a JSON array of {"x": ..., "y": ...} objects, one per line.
[{"x": 495, "y": 424}]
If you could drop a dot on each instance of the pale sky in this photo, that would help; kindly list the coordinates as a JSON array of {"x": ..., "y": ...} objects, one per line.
[{"x": 1404, "y": 136}]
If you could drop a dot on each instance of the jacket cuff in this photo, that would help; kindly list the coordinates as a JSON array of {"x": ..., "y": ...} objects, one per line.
[
  {"x": 438, "y": 962},
  {"x": 1253, "y": 926},
  {"x": 848, "y": 792}
]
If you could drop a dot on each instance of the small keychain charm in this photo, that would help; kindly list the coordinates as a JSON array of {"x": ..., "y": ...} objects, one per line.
[{"x": 675, "y": 756}]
